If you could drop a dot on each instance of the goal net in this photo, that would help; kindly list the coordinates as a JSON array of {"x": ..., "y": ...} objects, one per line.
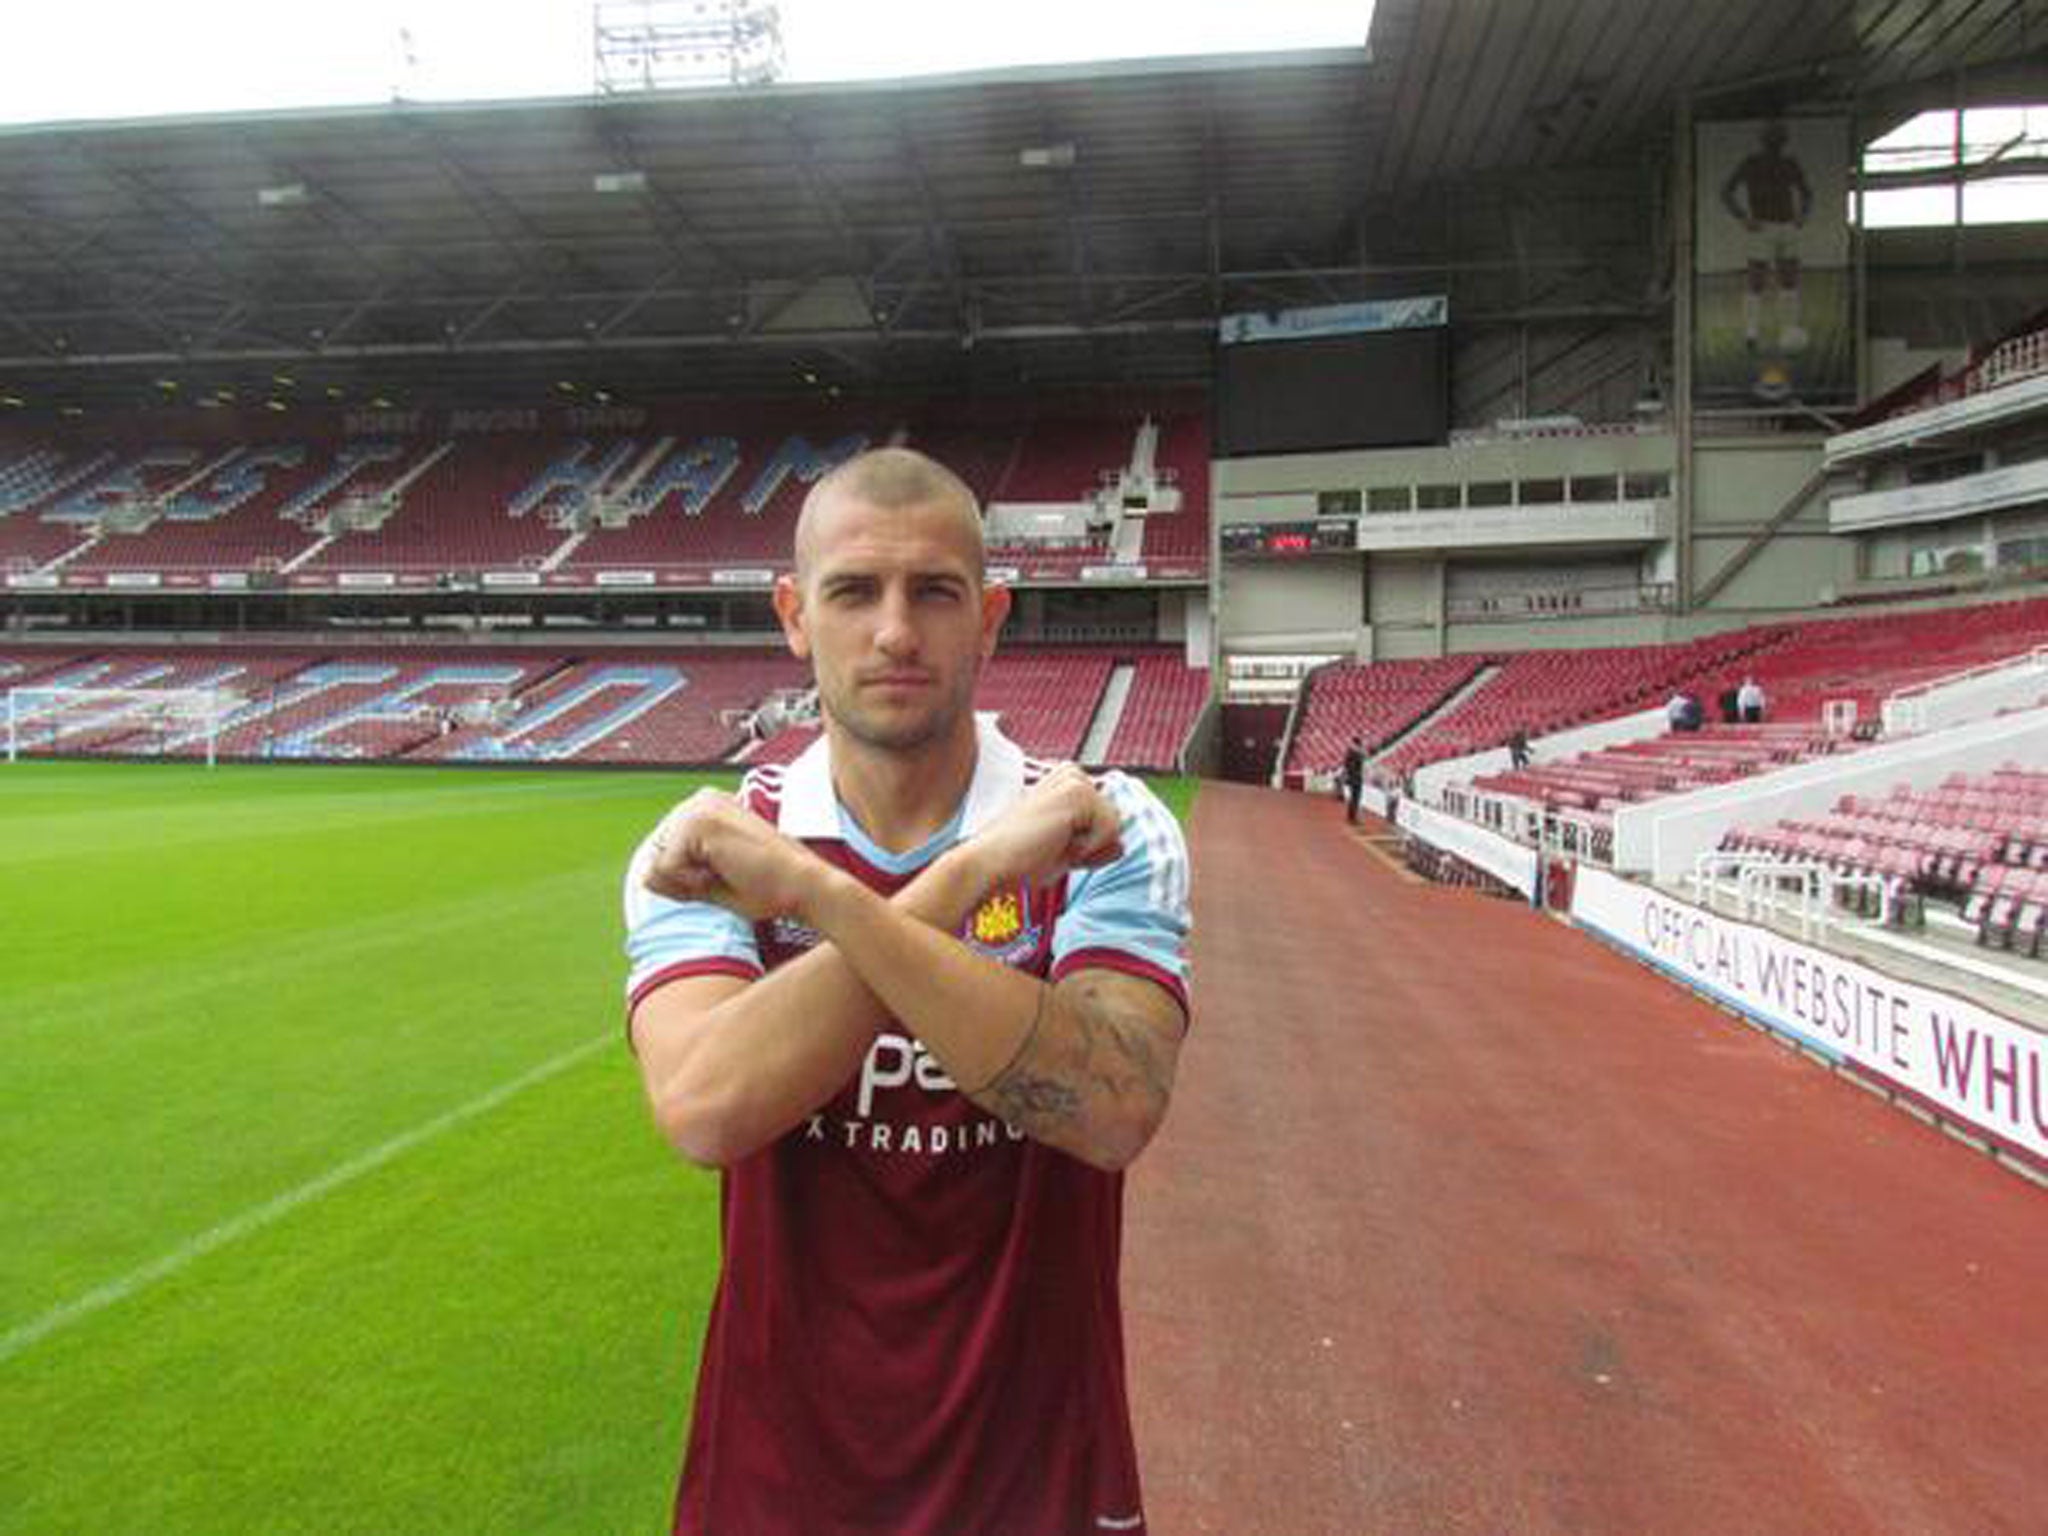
[{"x": 126, "y": 722}]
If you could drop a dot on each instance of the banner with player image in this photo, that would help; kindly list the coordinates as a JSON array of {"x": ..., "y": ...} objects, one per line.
[{"x": 1772, "y": 318}]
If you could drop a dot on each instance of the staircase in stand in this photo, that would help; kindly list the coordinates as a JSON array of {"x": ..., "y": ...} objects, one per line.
[
  {"x": 1472, "y": 685},
  {"x": 1108, "y": 715}
]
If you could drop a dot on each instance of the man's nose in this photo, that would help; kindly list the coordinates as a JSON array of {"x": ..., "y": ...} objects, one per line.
[{"x": 897, "y": 636}]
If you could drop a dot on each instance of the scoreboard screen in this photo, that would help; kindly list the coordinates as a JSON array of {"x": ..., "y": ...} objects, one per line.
[
  {"x": 1330, "y": 535},
  {"x": 1377, "y": 390}
]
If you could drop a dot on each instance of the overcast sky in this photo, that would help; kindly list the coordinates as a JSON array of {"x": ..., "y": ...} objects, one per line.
[{"x": 138, "y": 58}]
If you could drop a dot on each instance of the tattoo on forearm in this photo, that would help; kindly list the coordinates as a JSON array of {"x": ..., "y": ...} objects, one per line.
[
  {"x": 1028, "y": 1101},
  {"x": 1107, "y": 1056}
]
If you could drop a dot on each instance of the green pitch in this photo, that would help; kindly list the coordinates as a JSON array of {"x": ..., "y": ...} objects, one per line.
[{"x": 328, "y": 1201}]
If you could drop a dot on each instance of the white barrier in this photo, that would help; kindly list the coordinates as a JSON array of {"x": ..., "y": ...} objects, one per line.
[
  {"x": 1975, "y": 1068},
  {"x": 2016, "y": 682},
  {"x": 1662, "y": 837},
  {"x": 1509, "y": 863}
]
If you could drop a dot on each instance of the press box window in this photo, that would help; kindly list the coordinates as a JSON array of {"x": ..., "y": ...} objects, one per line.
[
  {"x": 1490, "y": 493},
  {"x": 1390, "y": 498},
  {"x": 1439, "y": 498}
]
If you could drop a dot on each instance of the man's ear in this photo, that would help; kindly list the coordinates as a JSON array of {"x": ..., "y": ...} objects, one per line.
[
  {"x": 995, "y": 608},
  {"x": 789, "y": 608}
]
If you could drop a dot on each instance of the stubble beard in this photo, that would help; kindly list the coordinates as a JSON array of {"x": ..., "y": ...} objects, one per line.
[{"x": 910, "y": 735}]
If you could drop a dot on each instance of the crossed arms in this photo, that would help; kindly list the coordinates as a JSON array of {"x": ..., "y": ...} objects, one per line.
[{"x": 1085, "y": 1064}]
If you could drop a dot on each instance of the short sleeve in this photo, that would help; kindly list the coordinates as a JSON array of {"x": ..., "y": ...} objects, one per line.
[
  {"x": 1131, "y": 915},
  {"x": 668, "y": 940}
]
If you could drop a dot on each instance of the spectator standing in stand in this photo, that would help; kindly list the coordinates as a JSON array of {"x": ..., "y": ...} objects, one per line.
[
  {"x": 1354, "y": 777},
  {"x": 1750, "y": 698}
]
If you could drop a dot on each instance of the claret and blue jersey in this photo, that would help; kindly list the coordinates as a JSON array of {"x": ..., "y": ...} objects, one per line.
[{"x": 917, "y": 1327}]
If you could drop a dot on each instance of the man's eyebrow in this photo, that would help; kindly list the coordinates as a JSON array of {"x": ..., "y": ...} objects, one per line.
[{"x": 834, "y": 579}]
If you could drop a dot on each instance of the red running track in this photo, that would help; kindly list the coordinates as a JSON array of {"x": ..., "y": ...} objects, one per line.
[{"x": 1462, "y": 1222}]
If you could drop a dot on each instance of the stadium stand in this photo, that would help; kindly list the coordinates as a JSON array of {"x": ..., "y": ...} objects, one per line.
[
  {"x": 718, "y": 500},
  {"x": 1538, "y": 692},
  {"x": 1976, "y": 842},
  {"x": 21, "y": 669},
  {"x": 455, "y": 516},
  {"x": 227, "y": 520},
  {"x": 1165, "y": 700},
  {"x": 1182, "y": 538},
  {"x": 1804, "y": 667},
  {"x": 1662, "y": 765},
  {"x": 1377, "y": 702},
  {"x": 784, "y": 746},
  {"x": 625, "y": 706},
  {"x": 620, "y": 709},
  {"x": 1047, "y": 699},
  {"x": 681, "y": 499},
  {"x": 1063, "y": 460}
]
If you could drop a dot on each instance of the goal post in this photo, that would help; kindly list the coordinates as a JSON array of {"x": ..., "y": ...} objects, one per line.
[{"x": 158, "y": 721}]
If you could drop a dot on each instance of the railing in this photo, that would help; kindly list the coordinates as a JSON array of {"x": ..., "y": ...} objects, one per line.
[
  {"x": 1564, "y": 833},
  {"x": 2021, "y": 357},
  {"x": 1572, "y": 835},
  {"x": 1765, "y": 885},
  {"x": 1522, "y": 431}
]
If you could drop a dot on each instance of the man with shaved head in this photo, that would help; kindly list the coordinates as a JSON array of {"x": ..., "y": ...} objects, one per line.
[{"x": 920, "y": 998}]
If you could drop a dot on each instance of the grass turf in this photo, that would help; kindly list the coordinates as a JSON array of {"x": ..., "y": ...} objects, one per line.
[{"x": 220, "y": 988}]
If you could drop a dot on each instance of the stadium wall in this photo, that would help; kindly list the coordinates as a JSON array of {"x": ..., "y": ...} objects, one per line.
[
  {"x": 1405, "y": 606},
  {"x": 1315, "y": 604},
  {"x": 1285, "y": 486},
  {"x": 1738, "y": 486},
  {"x": 1402, "y": 602},
  {"x": 1551, "y": 634}
]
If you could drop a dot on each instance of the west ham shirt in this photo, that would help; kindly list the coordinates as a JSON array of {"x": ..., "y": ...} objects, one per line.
[{"x": 916, "y": 1330}]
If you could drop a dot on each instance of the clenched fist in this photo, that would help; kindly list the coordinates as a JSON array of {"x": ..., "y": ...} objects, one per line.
[
  {"x": 1061, "y": 823},
  {"x": 712, "y": 848}
]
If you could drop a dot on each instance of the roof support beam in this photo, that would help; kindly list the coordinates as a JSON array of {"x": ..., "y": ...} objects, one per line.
[
  {"x": 859, "y": 258},
  {"x": 942, "y": 253}
]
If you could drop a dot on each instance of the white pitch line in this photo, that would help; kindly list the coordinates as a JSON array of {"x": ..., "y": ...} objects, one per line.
[{"x": 15, "y": 1340}]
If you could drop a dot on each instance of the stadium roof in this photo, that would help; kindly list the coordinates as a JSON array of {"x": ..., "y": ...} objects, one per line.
[{"x": 1040, "y": 226}]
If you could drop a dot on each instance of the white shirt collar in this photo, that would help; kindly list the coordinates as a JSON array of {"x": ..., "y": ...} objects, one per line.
[{"x": 810, "y": 808}]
